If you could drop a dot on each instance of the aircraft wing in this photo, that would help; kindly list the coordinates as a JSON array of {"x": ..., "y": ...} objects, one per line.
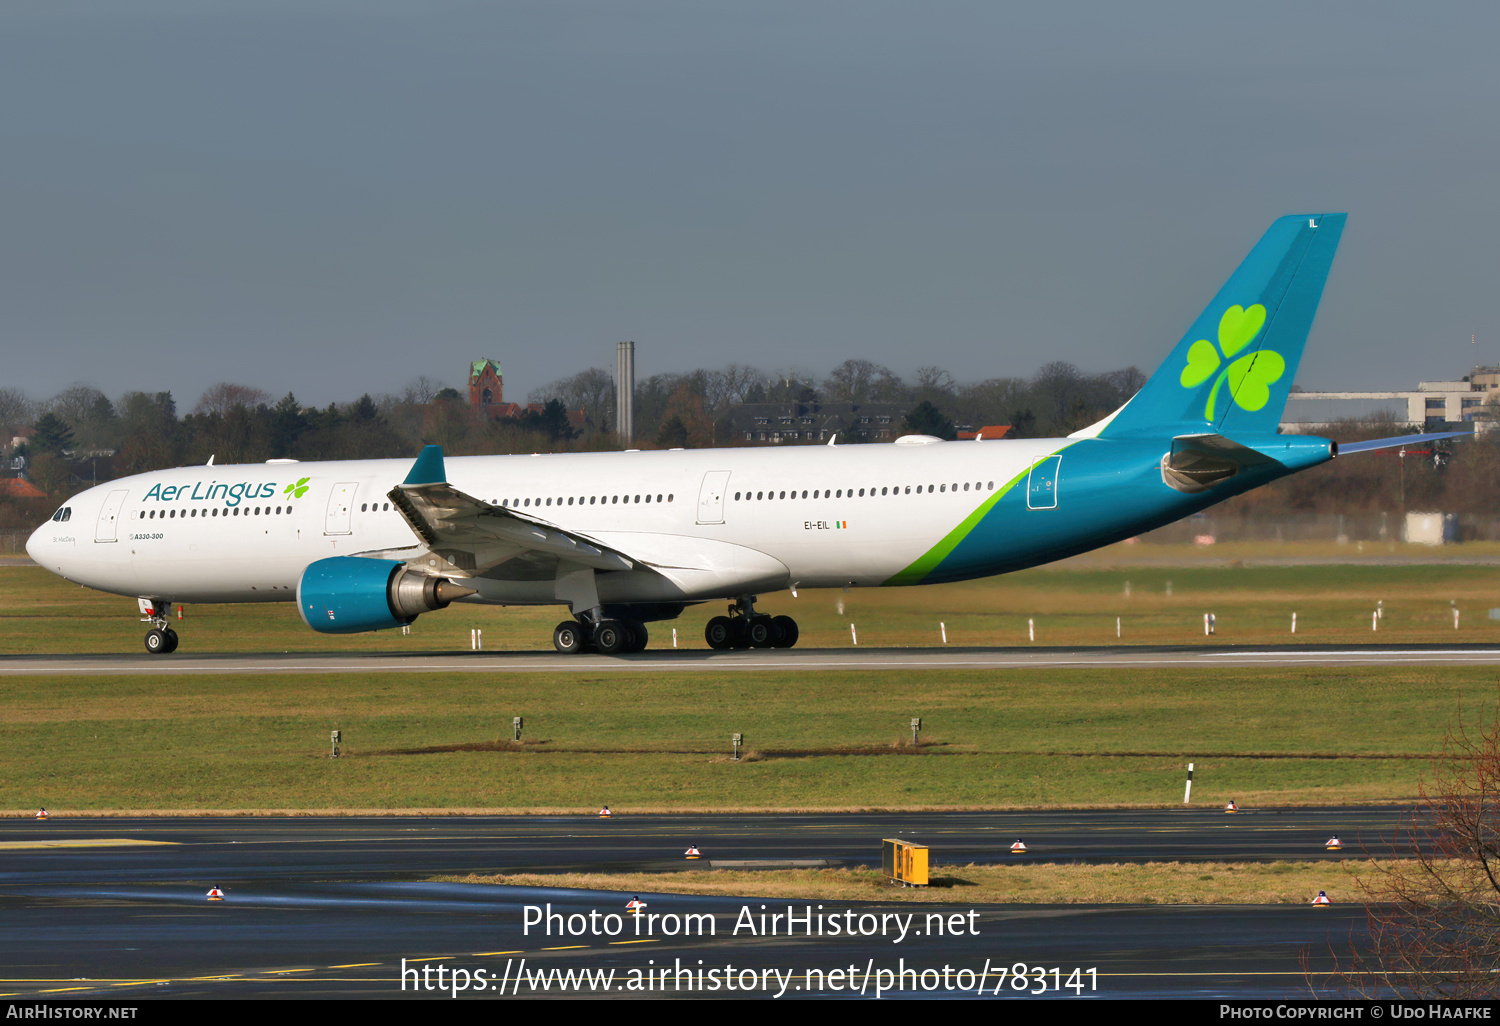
[{"x": 479, "y": 539}]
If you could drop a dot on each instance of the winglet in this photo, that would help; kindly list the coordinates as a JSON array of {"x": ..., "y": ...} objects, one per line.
[{"x": 429, "y": 467}]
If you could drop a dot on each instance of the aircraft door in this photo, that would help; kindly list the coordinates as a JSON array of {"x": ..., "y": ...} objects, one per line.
[
  {"x": 711, "y": 497},
  {"x": 340, "y": 506},
  {"x": 1041, "y": 485},
  {"x": 109, "y": 516}
]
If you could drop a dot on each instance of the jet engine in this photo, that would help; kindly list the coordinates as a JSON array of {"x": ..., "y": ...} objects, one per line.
[{"x": 350, "y": 594}]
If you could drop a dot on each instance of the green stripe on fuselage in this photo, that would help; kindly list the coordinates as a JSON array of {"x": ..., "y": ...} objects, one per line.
[{"x": 929, "y": 560}]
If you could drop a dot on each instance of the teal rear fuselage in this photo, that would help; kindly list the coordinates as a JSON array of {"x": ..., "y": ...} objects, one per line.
[{"x": 1106, "y": 490}]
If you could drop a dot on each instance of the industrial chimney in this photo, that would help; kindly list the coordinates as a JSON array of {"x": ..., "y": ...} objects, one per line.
[{"x": 625, "y": 391}]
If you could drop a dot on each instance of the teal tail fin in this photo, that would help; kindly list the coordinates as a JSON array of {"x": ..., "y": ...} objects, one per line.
[{"x": 1232, "y": 371}]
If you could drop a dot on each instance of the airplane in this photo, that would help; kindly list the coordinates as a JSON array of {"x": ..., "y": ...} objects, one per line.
[{"x": 629, "y": 538}]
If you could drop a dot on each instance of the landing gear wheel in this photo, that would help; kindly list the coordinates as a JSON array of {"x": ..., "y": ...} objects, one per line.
[
  {"x": 719, "y": 633},
  {"x": 171, "y": 641},
  {"x": 156, "y": 642},
  {"x": 610, "y": 637},
  {"x": 638, "y": 636},
  {"x": 786, "y": 630},
  {"x": 759, "y": 633},
  {"x": 741, "y": 628},
  {"x": 567, "y": 637}
]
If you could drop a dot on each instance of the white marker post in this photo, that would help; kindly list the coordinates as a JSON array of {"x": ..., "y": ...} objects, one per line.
[
  {"x": 1188, "y": 793},
  {"x": 1210, "y": 624},
  {"x": 944, "y": 628},
  {"x": 674, "y": 637},
  {"x": 853, "y": 636},
  {"x": 1117, "y": 626},
  {"x": 1375, "y": 620},
  {"x": 1031, "y": 629},
  {"x": 1455, "y": 619},
  {"x": 1294, "y": 623}
]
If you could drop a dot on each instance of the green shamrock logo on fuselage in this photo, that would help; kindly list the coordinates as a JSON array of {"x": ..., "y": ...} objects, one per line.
[
  {"x": 296, "y": 491},
  {"x": 1249, "y": 377}
]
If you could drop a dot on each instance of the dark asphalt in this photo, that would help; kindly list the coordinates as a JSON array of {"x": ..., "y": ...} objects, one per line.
[{"x": 327, "y": 907}]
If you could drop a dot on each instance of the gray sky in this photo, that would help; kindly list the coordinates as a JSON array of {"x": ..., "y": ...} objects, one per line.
[{"x": 333, "y": 197}]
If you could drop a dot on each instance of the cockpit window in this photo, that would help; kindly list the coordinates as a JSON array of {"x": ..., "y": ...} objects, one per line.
[{"x": 66, "y": 513}]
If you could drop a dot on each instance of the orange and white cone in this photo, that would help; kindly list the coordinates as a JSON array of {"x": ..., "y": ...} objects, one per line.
[
  {"x": 693, "y": 853},
  {"x": 41, "y": 814},
  {"x": 634, "y": 904},
  {"x": 1334, "y": 844},
  {"x": 214, "y": 894},
  {"x": 1231, "y": 807},
  {"x": 1321, "y": 900},
  {"x": 604, "y": 813},
  {"x": 1019, "y": 848}
]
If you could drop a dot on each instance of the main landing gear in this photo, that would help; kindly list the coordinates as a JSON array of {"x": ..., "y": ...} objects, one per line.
[
  {"x": 160, "y": 639},
  {"x": 745, "y": 628},
  {"x": 607, "y": 637}
]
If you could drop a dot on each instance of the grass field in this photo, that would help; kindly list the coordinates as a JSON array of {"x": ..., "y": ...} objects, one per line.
[
  {"x": 1167, "y": 883},
  {"x": 1079, "y": 605},
  {"x": 819, "y": 740}
]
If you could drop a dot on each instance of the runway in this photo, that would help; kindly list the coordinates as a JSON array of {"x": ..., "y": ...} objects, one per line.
[
  {"x": 330, "y": 907},
  {"x": 758, "y": 660}
]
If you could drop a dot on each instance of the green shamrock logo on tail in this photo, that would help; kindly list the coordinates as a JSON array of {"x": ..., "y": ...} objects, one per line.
[
  {"x": 296, "y": 491},
  {"x": 1249, "y": 377}
]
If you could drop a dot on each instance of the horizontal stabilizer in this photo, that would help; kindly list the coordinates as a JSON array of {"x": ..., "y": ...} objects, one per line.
[{"x": 1345, "y": 448}]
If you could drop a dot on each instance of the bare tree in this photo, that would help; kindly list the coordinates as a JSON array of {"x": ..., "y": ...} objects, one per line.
[
  {"x": 592, "y": 391},
  {"x": 858, "y": 381},
  {"x": 224, "y": 397},
  {"x": 73, "y": 404},
  {"x": 16, "y": 411},
  {"x": 1434, "y": 920},
  {"x": 420, "y": 391}
]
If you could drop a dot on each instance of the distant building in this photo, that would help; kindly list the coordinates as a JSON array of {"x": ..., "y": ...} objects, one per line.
[
  {"x": 487, "y": 397},
  {"x": 800, "y": 423},
  {"x": 1430, "y": 405},
  {"x": 486, "y": 386},
  {"x": 16, "y": 488}
]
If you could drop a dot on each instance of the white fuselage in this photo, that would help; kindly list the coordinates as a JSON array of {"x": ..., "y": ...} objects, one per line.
[{"x": 699, "y": 524}]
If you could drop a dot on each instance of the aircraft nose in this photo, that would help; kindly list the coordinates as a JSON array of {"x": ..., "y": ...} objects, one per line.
[{"x": 36, "y": 545}]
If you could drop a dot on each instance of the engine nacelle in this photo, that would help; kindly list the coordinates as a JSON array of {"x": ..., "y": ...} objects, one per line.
[{"x": 350, "y": 594}]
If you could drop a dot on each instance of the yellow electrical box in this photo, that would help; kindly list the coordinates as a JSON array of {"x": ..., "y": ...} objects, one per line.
[{"x": 904, "y": 862}]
